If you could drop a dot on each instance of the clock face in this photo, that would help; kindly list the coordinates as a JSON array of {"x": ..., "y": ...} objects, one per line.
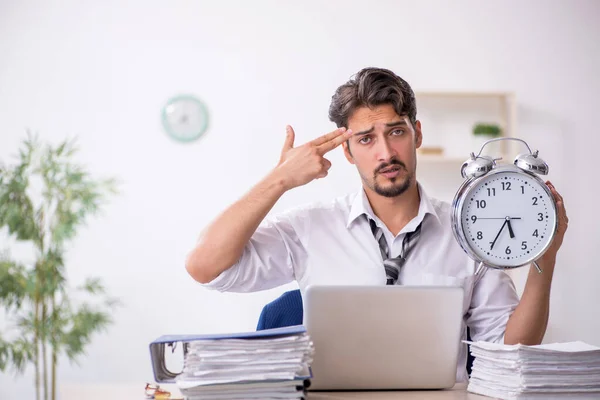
[
  {"x": 508, "y": 218},
  {"x": 185, "y": 118}
]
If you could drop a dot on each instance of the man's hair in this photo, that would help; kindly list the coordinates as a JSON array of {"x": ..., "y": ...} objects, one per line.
[{"x": 372, "y": 87}]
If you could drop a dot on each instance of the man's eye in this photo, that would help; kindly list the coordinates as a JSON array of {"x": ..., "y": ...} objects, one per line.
[
  {"x": 364, "y": 140},
  {"x": 397, "y": 132}
]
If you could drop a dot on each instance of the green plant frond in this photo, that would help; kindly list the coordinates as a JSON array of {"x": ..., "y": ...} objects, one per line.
[
  {"x": 13, "y": 284},
  {"x": 51, "y": 263},
  {"x": 26, "y": 326},
  {"x": 59, "y": 323},
  {"x": 110, "y": 185},
  {"x": 5, "y": 359},
  {"x": 16, "y": 354},
  {"x": 27, "y": 151},
  {"x": 27, "y": 323},
  {"x": 62, "y": 147},
  {"x": 93, "y": 286},
  {"x": 112, "y": 302},
  {"x": 79, "y": 199},
  {"x": 17, "y": 212},
  {"x": 85, "y": 322},
  {"x": 3, "y": 172},
  {"x": 22, "y": 354}
]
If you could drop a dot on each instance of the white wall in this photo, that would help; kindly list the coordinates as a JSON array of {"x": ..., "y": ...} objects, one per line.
[{"x": 102, "y": 71}]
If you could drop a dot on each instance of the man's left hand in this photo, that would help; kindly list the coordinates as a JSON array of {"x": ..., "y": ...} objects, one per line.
[{"x": 563, "y": 222}]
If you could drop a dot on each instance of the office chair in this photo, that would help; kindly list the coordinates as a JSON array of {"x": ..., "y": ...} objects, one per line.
[{"x": 286, "y": 310}]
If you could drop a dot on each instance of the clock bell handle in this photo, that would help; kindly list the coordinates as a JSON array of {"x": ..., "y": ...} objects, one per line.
[
  {"x": 527, "y": 162},
  {"x": 504, "y": 138}
]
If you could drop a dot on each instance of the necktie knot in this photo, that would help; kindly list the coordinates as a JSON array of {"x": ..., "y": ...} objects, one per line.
[{"x": 393, "y": 265}]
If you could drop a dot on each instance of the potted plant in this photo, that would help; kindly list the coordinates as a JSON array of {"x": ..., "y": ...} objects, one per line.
[{"x": 44, "y": 199}]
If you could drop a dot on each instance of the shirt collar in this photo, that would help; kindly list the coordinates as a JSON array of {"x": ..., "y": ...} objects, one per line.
[{"x": 361, "y": 206}]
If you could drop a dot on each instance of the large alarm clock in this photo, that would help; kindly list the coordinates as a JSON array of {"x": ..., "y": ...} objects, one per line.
[{"x": 503, "y": 215}]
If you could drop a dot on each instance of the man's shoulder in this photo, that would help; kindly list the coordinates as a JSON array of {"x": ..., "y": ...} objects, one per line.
[{"x": 330, "y": 211}]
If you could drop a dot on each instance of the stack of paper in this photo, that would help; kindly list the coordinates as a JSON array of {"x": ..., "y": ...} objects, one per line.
[
  {"x": 271, "y": 364},
  {"x": 552, "y": 371}
]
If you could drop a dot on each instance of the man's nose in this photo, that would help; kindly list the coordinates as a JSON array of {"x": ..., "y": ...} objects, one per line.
[{"x": 385, "y": 151}]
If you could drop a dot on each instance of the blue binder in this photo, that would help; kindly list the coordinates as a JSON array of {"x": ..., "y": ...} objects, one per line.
[{"x": 158, "y": 346}]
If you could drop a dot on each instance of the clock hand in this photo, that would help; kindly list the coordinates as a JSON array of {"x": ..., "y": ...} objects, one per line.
[
  {"x": 502, "y": 227},
  {"x": 510, "y": 230},
  {"x": 499, "y": 218}
]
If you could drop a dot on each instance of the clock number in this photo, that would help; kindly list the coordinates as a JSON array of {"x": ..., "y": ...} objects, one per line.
[
  {"x": 480, "y": 203},
  {"x": 506, "y": 186},
  {"x": 535, "y": 199},
  {"x": 540, "y": 216},
  {"x": 479, "y": 235},
  {"x": 491, "y": 192},
  {"x": 522, "y": 189},
  {"x": 507, "y": 251},
  {"x": 524, "y": 245},
  {"x": 473, "y": 218},
  {"x": 535, "y": 233}
]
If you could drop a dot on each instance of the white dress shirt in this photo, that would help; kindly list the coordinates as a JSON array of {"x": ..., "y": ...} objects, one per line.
[{"x": 332, "y": 244}]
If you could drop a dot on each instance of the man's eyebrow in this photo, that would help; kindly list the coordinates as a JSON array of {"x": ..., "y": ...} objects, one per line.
[{"x": 389, "y": 125}]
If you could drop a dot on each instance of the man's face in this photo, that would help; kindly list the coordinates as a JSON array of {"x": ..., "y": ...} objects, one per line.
[{"x": 383, "y": 148}]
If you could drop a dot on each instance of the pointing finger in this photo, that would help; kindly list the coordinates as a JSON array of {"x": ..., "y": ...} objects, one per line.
[
  {"x": 331, "y": 135},
  {"x": 335, "y": 142}
]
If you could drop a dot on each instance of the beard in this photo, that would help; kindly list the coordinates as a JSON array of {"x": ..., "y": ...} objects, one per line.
[{"x": 398, "y": 185}]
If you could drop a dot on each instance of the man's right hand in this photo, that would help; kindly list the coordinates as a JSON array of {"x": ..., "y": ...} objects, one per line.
[
  {"x": 223, "y": 242},
  {"x": 300, "y": 165}
]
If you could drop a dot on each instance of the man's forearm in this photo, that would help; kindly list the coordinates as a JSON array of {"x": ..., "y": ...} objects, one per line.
[
  {"x": 223, "y": 242},
  {"x": 527, "y": 324}
]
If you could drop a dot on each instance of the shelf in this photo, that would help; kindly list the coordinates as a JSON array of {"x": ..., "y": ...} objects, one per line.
[
  {"x": 432, "y": 93},
  {"x": 448, "y": 118}
]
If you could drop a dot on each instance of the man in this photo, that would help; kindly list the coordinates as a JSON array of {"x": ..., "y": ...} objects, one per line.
[{"x": 346, "y": 240}]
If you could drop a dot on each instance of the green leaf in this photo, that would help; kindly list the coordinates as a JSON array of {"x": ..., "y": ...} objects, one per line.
[
  {"x": 16, "y": 354},
  {"x": 93, "y": 286},
  {"x": 13, "y": 284},
  {"x": 85, "y": 321}
]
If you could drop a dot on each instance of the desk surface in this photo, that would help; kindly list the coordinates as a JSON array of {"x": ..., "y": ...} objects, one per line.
[
  {"x": 135, "y": 391},
  {"x": 459, "y": 392}
]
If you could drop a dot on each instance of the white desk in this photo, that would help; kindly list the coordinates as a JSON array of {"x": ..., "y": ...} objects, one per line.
[
  {"x": 459, "y": 392},
  {"x": 135, "y": 391}
]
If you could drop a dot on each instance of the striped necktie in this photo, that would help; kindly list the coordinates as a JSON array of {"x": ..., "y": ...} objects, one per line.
[{"x": 393, "y": 265}]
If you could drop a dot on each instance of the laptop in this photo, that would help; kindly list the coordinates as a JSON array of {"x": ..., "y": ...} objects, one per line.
[{"x": 383, "y": 337}]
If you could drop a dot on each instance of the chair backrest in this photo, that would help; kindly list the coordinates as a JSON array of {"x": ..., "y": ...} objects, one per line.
[{"x": 286, "y": 310}]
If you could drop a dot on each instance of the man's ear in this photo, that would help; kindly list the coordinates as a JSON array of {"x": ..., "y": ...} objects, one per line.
[
  {"x": 418, "y": 135},
  {"x": 347, "y": 152}
]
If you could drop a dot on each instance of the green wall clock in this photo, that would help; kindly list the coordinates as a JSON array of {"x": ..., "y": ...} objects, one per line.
[{"x": 184, "y": 118}]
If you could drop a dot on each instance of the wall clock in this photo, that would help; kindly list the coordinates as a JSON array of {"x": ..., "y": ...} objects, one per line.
[{"x": 184, "y": 118}]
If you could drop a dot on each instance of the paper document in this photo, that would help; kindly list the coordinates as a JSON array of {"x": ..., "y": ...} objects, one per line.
[{"x": 548, "y": 371}]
